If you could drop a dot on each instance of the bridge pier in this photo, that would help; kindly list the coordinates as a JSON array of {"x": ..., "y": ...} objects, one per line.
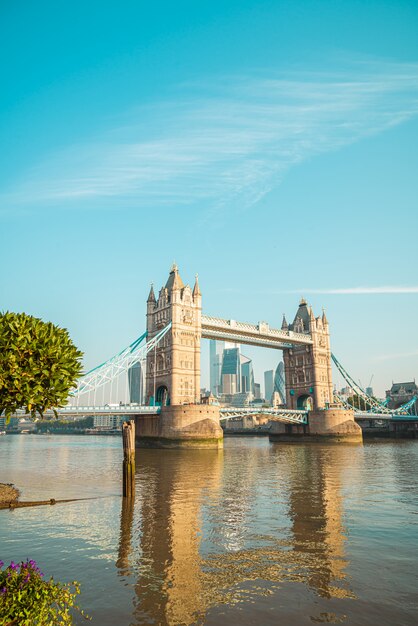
[
  {"x": 331, "y": 425},
  {"x": 180, "y": 426}
]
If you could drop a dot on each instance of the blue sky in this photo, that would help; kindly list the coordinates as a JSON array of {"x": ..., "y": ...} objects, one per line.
[{"x": 269, "y": 146}]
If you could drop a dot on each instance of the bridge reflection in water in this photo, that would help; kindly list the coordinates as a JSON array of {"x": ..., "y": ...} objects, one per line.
[{"x": 197, "y": 538}]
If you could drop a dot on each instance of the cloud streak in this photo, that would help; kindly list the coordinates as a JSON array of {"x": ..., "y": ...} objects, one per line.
[
  {"x": 226, "y": 144},
  {"x": 361, "y": 290},
  {"x": 339, "y": 291},
  {"x": 401, "y": 355}
]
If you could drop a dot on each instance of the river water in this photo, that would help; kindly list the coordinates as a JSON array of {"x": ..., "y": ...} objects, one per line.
[{"x": 256, "y": 533}]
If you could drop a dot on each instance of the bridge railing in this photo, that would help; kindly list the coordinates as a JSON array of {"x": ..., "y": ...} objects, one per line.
[{"x": 283, "y": 415}]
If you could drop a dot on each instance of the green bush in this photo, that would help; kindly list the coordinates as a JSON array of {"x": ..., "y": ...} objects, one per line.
[
  {"x": 39, "y": 364},
  {"x": 26, "y": 599}
]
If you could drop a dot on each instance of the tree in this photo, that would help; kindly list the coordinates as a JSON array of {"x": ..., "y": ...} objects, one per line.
[
  {"x": 359, "y": 403},
  {"x": 39, "y": 364}
]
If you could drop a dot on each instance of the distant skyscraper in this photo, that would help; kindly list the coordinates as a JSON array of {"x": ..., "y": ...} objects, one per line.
[
  {"x": 136, "y": 380},
  {"x": 247, "y": 375},
  {"x": 279, "y": 382},
  {"x": 216, "y": 349},
  {"x": 257, "y": 391},
  {"x": 268, "y": 385},
  {"x": 231, "y": 371}
]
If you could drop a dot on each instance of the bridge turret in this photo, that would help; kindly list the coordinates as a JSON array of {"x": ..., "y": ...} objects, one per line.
[
  {"x": 176, "y": 378},
  {"x": 308, "y": 368}
]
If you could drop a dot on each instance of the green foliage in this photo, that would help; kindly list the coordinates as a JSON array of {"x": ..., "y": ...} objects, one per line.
[
  {"x": 53, "y": 424},
  {"x": 29, "y": 600},
  {"x": 38, "y": 364},
  {"x": 359, "y": 403}
]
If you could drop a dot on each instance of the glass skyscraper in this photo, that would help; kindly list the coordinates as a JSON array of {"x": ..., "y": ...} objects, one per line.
[
  {"x": 279, "y": 382},
  {"x": 268, "y": 385},
  {"x": 216, "y": 349},
  {"x": 136, "y": 380},
  {"x": 231, "y": 371},
  {"x": 247, "y": 375}
]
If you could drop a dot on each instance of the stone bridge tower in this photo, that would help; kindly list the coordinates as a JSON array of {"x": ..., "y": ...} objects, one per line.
[
  {"x": 173, "y": 367},
  {"x": 308, "y": 368}
]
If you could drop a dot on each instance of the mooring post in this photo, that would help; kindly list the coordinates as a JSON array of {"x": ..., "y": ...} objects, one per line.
[{"x": 128, "y": 437}]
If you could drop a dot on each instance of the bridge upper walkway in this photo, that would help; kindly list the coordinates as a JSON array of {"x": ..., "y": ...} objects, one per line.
[{"x": 254, "y": 334}]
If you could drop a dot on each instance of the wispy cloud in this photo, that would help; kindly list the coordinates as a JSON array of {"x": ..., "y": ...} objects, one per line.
[
  {"x": 360, "y": 290},
  {"x": 394, "y": 289},
  {"x": 390, "y": 357},
  {"x": 227, "y": 143}
]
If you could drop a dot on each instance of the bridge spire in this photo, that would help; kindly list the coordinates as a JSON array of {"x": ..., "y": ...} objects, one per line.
[
  {"x": 151, "y": 297},
  {"x": 311, "y": 317},
  {"x": 324, "y": 318},
  {"x": 174, "y": 280},
  {"x": 196, "y": 288},
  {"x": 285, "y": 325}
]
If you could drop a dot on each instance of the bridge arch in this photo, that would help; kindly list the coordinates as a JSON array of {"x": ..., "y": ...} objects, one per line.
[
  {"x": 305, "y": 401},
  {"x": 162, "y": 396}
]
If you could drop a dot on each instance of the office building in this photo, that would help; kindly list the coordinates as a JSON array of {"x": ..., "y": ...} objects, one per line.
[
  {"x": 231, "y": 371},
  {"x": 136, "y": 381},
  {"x": 247, "y": 375},
  {"x": 216, "y": 349},
  {"x": 268, "y": 385},
  {"x": 279, "y": 382}
]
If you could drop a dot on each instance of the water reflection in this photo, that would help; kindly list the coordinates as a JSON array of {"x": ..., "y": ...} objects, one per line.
[
  {"x": 198, "y": 537},
  {"x": 316, "y": 512}
]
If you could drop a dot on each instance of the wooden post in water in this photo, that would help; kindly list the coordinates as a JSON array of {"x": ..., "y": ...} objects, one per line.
[{"x": 128, "y": 437}]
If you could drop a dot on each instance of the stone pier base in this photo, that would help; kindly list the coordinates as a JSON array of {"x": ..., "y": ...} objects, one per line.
[
  {"x": 180, "y": 426},
  {"x": 329, "y": 425}
]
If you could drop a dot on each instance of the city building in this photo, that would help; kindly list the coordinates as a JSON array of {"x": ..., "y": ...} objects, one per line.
[
  {"x": 280, "y": 384},
  {"x": 231, "y": 371},
  {"x": 216, "y": 349},
  {"x": 276, "y": 400},
  {"x": 247, "y": 375},
  {"x": 257, "y": 391},
  {"x": 401, "y": 393},
  {"x": 346, "y": 392},
  {"x": 136, "y": 381},
  {"x": 242, "y": 399},
  {"x": 268, "y": 385},
  {"x": 108, "y": 421}
]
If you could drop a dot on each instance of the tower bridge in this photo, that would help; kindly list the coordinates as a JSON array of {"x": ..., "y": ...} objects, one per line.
[
  {"x": 173, "y": 368},
  {"x": 169, "y": 352}
]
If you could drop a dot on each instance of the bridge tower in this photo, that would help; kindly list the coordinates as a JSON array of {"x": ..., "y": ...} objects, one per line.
[
  {"x": 308, "y": 368},
  {"x": 173, "y": 367}
]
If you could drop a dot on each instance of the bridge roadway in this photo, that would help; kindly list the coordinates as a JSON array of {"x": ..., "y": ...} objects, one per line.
[
  {"x": 283, "y": 415},
  {"x": 254, "y": 334},
  {"x": 126, "y": 410}
]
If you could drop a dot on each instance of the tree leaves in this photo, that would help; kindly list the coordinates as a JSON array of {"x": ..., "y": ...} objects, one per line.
[{"x": 39, "y": 364}]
